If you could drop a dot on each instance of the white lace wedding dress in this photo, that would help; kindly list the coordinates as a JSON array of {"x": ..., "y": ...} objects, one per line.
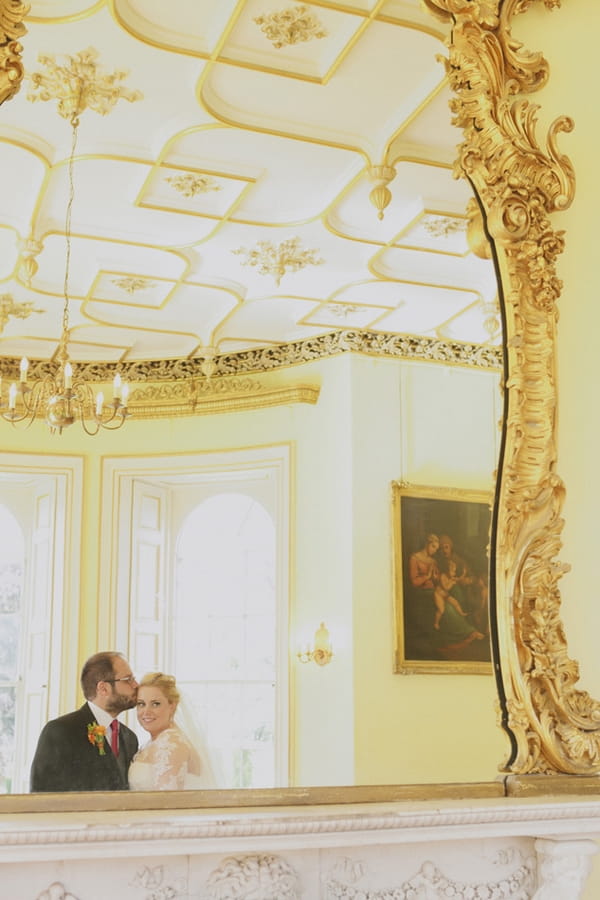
[{"x": 170, "y": 762}]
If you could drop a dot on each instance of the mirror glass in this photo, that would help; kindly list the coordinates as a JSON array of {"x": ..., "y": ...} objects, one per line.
[{"x": 257, "y": 226}]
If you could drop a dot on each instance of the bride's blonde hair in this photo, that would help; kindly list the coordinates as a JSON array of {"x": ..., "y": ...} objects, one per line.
[{"x": 165, "y": 683}]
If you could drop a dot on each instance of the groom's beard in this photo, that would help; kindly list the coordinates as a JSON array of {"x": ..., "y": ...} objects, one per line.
[{"x": 118, "y": 703}]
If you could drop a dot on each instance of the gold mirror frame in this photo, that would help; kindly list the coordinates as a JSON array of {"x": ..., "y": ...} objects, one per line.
[
  {"x": 12, "y": 13},
  {"x": 551, "y": 725}
]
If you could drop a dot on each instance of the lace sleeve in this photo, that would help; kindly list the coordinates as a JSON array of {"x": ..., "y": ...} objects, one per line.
[{"x": 169, "y": 757}]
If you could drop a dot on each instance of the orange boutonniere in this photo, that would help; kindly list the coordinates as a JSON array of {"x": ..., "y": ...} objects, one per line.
[{"x": 96, "y": 736}]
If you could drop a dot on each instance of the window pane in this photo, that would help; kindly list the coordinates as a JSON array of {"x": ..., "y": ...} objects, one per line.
[
  {"x": 7, "y": 737},
  {"x": 225, "y": 632},
  {"x": 12, "y": 556}
]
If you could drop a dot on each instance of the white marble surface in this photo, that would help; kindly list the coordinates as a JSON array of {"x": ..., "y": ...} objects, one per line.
[{"x": 476, "y": 850}]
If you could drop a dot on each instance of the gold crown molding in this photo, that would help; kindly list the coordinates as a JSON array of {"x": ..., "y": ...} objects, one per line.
[
  {"x": 12, "y": 13},
  {"x": 553, "y": 726},
  {"x": 266, "y": 359},
  {"x": 209, "y": 396}
]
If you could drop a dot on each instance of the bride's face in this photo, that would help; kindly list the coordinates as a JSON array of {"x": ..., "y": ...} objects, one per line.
[{"x": 154, "y": 711}]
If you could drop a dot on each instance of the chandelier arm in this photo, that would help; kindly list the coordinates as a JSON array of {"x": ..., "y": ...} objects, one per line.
[{"x": 55, "y": 398}]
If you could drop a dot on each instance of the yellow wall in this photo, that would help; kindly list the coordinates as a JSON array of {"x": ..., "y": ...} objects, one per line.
[
  {"x": 569, "y": 40},
  {"x": 376, "y": 421},
  {"x": 425, "y": 727}
]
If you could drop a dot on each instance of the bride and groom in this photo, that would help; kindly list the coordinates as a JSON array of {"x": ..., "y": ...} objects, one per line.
[{"x": 85, "y": 751}]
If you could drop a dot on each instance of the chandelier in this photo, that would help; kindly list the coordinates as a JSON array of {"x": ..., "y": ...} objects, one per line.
[{"x": 61, "y": 398}]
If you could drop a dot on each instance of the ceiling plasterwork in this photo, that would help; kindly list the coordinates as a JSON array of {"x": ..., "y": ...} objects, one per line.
[
  {"x": 8, "y": 309},
  {"x": 290, "y": 26},
  {"x": 79, "y": 84},
  {"x": 190, "y": 185},
  {"x": 265, "y": 359},
  {"x": 324, "y": 159},
  {"x": 278, "y": 259}
]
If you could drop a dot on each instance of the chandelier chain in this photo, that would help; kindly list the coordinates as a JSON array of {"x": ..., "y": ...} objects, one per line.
[
  {"x": 68, "y": 215},
  {"x": 60, "y": 398}
]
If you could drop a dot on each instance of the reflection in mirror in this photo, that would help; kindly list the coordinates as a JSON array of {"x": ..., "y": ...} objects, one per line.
[{"x": 277, "y": 260}]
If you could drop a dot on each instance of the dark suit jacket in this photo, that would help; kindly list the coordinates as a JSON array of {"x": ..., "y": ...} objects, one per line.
[{"x": 65, "y": 760}]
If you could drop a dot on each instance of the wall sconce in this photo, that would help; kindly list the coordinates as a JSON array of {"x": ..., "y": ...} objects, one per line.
[{"x": 321, "y": 652}]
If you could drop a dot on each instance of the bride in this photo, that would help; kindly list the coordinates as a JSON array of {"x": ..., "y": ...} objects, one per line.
[{"x": 170, "y": 760}]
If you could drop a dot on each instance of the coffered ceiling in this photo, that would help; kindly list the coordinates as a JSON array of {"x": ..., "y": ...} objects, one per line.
[{"x": 234, "y": 197}]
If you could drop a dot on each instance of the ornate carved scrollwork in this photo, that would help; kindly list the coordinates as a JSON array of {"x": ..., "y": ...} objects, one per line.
[
  {"x": 553, "y": 726},
  {"x": 12, "y": 13}
]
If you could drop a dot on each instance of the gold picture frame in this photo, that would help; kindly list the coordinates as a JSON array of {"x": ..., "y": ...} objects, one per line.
[{"x": 441, "y": 580}]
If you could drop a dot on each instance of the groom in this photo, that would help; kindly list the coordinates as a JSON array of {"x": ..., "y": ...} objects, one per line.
[{"x": 74, "y": 752}]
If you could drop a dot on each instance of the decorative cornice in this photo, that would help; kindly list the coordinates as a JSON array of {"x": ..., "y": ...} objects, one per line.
[
  {"x": 384, "y": 345},
  {"x": 367, "y": 826},
  {"x": 12, "y": 13},
  {"x": 194, "y": 397}
]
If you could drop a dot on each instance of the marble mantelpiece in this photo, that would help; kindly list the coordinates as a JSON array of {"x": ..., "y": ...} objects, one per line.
[{"x": 492, "y": 846}]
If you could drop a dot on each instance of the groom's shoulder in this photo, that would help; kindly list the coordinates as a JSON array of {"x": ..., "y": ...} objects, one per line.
[{"x": 70, "y": 718}]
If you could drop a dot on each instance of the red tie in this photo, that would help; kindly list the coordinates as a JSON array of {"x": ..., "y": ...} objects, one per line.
[{"x": 114, "y": 739}]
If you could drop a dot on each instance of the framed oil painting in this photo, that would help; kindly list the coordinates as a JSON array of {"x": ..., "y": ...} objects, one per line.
[{"x": 441, "y": 577}]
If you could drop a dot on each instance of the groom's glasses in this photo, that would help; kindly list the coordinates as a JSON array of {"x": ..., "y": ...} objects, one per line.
[{"x": 128, "y": 678}]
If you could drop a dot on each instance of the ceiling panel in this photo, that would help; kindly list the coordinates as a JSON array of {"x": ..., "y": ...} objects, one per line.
[{"x": 233, "y": 197}]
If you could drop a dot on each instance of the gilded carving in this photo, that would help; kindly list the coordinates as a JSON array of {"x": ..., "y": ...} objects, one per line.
[
  {"x": 290, "y": 26},
  {"x": 208, "y": 396},
  {"x": 12, "y": 13},
  {"x": 277, "y": 259},
  {"x": 9, "y": 308},
  {"x": 79, "y": 83},
  {"x": 443, "y": 226},
  {"x": 131, "y": 283},
  {"x": 265, "y": 359},
  {"x": 189, "y": 185},
  {"x": 554, "y": 727}
]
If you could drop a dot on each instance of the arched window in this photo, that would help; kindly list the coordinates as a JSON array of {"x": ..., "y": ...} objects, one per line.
[
  {"x": 224, "y": 631},
  {"x": 12, "y": 561}
]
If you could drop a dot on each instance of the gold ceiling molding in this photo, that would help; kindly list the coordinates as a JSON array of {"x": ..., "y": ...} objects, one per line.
[
  {"x": 290, "y": 26},
  {"x": 9, "y": 308},
  {"x": 131, "y": 283},
  {"x": 12, "y": 13},
  {"x": 553, "y": 727},
  {"x": 381, "y": 195},
  {"x": 443, "y": 226},
  {"x": 342, "y": 310},
  {"x": 79, "y": 84},
  {"x": 277, "y": 259},
  {"x": 206, "y": 396},
  {"x": 27, "y": 265},
  {"x": 190, "y": 184},
  {"x": 381, "y": 344}
]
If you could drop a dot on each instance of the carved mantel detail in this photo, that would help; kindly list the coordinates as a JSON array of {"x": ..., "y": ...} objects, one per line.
[
  {"x": 553, "y": 726},
  {"x": 12, "y": 13}
]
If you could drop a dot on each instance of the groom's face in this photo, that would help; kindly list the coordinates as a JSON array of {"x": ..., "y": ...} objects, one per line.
[{"x": 124, "y": 689}]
